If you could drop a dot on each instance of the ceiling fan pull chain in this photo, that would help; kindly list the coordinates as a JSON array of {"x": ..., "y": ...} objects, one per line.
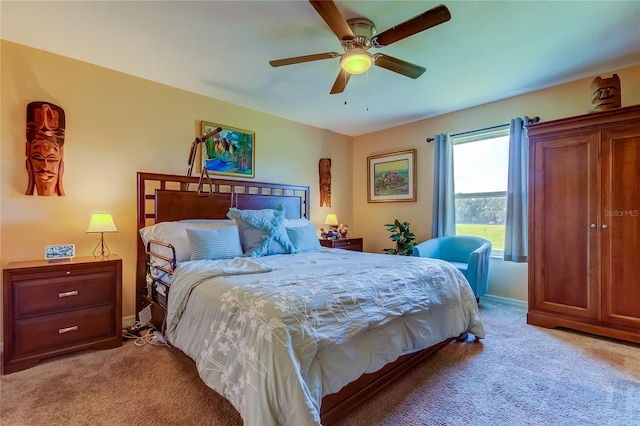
[
  {"x": 367, "y": 91},
  {"x": 344, "y": 91}
]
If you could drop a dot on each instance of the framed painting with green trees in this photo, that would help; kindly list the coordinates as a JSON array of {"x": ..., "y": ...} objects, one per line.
[{"x": 229, "y": 152}]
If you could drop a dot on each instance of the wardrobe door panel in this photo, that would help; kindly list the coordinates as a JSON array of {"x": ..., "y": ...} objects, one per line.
[
  {"x": 620, "y": 229},
  {"x": 565, "y": 215}
]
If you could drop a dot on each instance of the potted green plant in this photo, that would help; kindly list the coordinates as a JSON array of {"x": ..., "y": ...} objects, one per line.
[{"x": 403, "y": 238}]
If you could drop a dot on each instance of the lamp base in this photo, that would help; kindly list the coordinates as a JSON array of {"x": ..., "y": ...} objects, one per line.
[{"x": 101, "y": 250}]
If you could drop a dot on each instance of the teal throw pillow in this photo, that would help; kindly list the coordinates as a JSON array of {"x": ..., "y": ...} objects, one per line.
[{"x": 262, "y": 232}]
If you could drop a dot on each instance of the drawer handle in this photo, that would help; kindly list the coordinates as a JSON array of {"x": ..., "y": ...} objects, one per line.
[
  {"x": 68, "y": 329},
  {"x": 68, "y": 293}
]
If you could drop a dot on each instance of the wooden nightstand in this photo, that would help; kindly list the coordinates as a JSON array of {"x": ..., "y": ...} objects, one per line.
[
  {"x": 353, "y": 244},
  {"x": 56, "y": 308}
]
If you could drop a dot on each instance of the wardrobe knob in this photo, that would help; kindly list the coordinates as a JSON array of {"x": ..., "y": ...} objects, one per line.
[
  {"x": 604, "y": 226},
  {"x": 593, "y": 225}
]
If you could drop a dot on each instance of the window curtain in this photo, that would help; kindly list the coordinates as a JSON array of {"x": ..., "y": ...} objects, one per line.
[
  {"x": 444, "y": 212},
  {"x": 516, "y": 232}
]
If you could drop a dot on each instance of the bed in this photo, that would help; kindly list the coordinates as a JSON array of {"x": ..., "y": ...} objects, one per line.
[{"x": 299, "y": 337}]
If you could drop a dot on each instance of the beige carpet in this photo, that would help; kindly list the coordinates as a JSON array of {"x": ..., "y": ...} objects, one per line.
[{"x": 518, "y": 375}]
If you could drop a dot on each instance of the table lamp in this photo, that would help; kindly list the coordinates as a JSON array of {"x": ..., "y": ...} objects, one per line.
[
  {"x": 332, "y": 221},
  {"x": 101, "y": 223}
]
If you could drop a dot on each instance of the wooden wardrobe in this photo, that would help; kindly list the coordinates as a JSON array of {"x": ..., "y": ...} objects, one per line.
[{"x": 584, "y": 223}]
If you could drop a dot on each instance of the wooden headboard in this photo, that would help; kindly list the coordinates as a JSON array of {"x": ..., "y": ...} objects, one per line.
[{"x": 163, "y": 198}]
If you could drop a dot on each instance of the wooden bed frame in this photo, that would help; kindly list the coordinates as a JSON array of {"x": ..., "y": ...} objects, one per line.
[{"x": 164, "y": 197}]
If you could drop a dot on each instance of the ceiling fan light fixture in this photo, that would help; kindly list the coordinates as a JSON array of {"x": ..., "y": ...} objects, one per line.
[{"x": 356, "y": 61}]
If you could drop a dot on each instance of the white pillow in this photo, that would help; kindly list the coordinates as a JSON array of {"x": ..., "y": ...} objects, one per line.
[
  {"x": 213, "y": 222},
  {"x": 213, "y": 244},
  {"x": 304, "y": 238},
  {"x": 295, "y": 223},
  {"x": 175, "y": 233}
]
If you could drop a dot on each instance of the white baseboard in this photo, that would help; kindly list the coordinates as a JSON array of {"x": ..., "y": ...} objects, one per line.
[
  {"x": 505, "y": 300},
  {"x": 128, "y": 321}
]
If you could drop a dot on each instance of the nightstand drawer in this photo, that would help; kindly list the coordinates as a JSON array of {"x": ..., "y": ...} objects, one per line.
[
  {"x": 50, "y": 332},
  {"x": 50, "y": 295},
  {"x": 53, "y": 270},
  {"x": 353, "y": 244},
  {"x": 346, "y": 244}
]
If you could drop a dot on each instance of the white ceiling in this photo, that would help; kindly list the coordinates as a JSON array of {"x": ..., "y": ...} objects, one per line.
[{"x": 489, "y": 50}]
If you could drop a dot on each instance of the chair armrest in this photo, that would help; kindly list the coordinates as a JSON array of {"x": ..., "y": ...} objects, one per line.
[
  {"x": 478, "y": 269},
  {"x": 429, "y": 248}
]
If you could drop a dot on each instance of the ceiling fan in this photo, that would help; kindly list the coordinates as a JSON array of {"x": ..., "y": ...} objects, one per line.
[{"x": 358, "y": 35}]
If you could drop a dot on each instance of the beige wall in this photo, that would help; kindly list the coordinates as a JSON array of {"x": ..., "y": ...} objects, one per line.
[
  {"x": 506, "y": 279},
  {"x": 117, "y": 125}
]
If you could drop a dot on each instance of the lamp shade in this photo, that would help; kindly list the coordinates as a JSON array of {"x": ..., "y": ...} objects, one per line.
[
  {"x": 331, "y": 219},
  {"x": 101, "y": 222}
]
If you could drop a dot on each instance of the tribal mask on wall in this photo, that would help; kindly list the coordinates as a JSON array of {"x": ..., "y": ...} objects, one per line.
[{"x": 45, "y": 148}]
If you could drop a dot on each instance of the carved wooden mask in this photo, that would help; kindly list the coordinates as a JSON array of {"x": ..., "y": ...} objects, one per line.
[
  {"x": 44, "y": 148},
  {"x": 605, "y": 94},
  {"x": 324, "y": 170}
]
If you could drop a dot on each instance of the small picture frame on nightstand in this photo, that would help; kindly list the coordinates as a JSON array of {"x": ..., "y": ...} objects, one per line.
[{"x": 59, "y": 251}]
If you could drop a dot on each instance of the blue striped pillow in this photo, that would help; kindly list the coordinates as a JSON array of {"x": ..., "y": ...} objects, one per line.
[{"x": 216, "y": 243}]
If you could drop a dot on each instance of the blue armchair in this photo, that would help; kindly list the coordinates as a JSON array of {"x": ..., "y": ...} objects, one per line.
[{"x": 469, "y": 254}]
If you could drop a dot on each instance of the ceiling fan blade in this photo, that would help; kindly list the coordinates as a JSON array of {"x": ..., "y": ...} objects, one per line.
[
  {"x": 341, "y": 82},
  {"x": 398, "y": 65},
  {"x": 331, "y": 15},
  {"x": 305, "y": 58},
  {"x": 426, "y": 20}
]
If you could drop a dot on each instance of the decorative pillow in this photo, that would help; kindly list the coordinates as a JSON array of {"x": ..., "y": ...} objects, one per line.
[
  {"x": 304, "y": 238},
  {"x": 175, "y": 233},
  {"x": 213, "y": 244},
  {"x": 262, "y": 232}
]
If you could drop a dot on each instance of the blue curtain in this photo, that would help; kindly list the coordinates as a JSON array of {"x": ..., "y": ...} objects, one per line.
[
  {"x": 444, "y": 210},
  {"x": 516, "y": 233}
]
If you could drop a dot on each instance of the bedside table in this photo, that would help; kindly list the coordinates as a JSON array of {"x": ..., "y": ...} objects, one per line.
[
  {"x": 353, "y": 244},
  {"x": 54, "y": 308}
]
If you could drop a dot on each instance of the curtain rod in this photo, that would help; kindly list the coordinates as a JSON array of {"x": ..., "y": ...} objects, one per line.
[{"x": 530, "y": 121}]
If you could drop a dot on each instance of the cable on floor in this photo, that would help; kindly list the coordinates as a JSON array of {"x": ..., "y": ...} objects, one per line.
[{"x": 149, "y": 336}]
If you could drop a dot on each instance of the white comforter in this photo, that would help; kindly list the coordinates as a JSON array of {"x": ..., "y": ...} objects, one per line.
[{"x": 276, "y": 334}]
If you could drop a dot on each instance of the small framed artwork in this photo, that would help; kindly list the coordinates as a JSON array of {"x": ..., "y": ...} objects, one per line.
[
  {"x": 59, "y": 251},
  {"x": 391, "y": 177},
  {"x": 229, "y": 152}
]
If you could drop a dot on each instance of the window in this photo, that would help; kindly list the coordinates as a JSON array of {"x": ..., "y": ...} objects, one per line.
[{"x": 480, "y": 164}]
